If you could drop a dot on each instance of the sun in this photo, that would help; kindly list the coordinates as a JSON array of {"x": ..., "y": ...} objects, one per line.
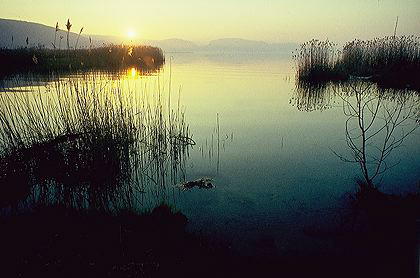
[{"x": 131, "y": 33}]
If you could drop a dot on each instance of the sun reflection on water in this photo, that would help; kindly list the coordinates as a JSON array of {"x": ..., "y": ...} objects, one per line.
[{"x": 133, "y": 73}]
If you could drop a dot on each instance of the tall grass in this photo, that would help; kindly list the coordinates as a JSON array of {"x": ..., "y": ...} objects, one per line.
[
  {"x": 89, "y": 143},
  {"x": 390, "y": 61},
  {"x": 106, "y": 58},
  {"x": 317, "y": 61}
]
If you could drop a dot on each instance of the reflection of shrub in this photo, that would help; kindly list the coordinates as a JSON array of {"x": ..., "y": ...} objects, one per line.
[{"x": 106, "y": 58}]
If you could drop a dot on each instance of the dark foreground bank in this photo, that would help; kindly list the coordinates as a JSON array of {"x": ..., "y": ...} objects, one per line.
[{"x": 57, "y": 242}]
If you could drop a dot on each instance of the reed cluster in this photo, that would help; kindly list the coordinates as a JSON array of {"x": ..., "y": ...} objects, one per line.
[
  {"x": 105, "y": 58},
  {"x": 317, "y": 61},
  {"x": 391, "y": 61},
  {"x": 89, "y": 143}
]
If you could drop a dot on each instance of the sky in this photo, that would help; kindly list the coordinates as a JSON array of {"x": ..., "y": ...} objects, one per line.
[{"x": 202, "y": 21}]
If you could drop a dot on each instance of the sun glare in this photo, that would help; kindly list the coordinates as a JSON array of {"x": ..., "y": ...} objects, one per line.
[{"x": 131, "y": 33}]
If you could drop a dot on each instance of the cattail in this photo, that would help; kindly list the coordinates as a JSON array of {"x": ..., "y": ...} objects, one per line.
[
  {"x": 55, "y": 35},
  {"x": 77, "y": 42},
  {"x": 68, "y": 25}
]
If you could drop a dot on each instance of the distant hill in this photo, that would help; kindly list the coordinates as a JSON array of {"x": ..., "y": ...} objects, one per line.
[
  {"x": 174, "y": 45},
  {"x": 242, "y": 45},
  {"x": 42, "y": 35},
  {"x": 222, "y": 45},
  {"x": 236, "y": 43},
  {"x": 170, "y": 45}
]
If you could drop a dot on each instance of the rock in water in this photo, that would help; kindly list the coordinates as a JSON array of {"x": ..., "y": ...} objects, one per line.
[{"x": 206, "y": 183}]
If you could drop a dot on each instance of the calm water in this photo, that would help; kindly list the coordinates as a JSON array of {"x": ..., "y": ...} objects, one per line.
[
  {"x": 269, "y": 150},
  {"x": 276, "y": 173}
]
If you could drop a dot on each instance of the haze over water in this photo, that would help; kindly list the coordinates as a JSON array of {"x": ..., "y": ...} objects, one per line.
[{"x": 200, "y": 21}]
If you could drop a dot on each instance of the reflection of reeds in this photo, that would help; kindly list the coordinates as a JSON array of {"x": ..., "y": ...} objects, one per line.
[
  {"x": 89, "y": 144},
  {"x": 313, "y": 96},
  {"x": 319, "y": 96}
]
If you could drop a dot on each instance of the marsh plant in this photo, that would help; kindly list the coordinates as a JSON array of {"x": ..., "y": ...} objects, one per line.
[
  {"x": 391, "y": 61},
  {"x": 90, "y": 143},
  {"x": 105, "y": 58},
  {"x": 41, "y": 60},
  {"x": 317, "y": 61}
]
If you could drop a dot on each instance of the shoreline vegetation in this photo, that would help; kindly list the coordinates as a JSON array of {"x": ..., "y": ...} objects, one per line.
[
  {"x": 146, "y": 59},
  {"x": 89, "y": 144},
  {"x": 108, "y": 58},
  {"x": 391, "y": 62}
]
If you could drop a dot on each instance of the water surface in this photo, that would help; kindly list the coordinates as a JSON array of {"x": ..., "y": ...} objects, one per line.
[
  {"x": 275, "y": 171},
  {"x": 272, "y": 151}
]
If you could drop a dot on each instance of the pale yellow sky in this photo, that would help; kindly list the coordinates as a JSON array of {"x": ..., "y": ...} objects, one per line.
[{"x": 268, "y": 20}]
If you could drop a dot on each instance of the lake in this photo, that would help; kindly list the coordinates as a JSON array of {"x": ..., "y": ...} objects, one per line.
[{"x": 272, "y": 151}]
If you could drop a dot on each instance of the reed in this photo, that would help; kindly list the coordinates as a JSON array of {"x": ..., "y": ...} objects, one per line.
[
  {"x": 55, "y": 35},
  {"x": 78, "y": 37},
  {"x": 68, "y": 26}
]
